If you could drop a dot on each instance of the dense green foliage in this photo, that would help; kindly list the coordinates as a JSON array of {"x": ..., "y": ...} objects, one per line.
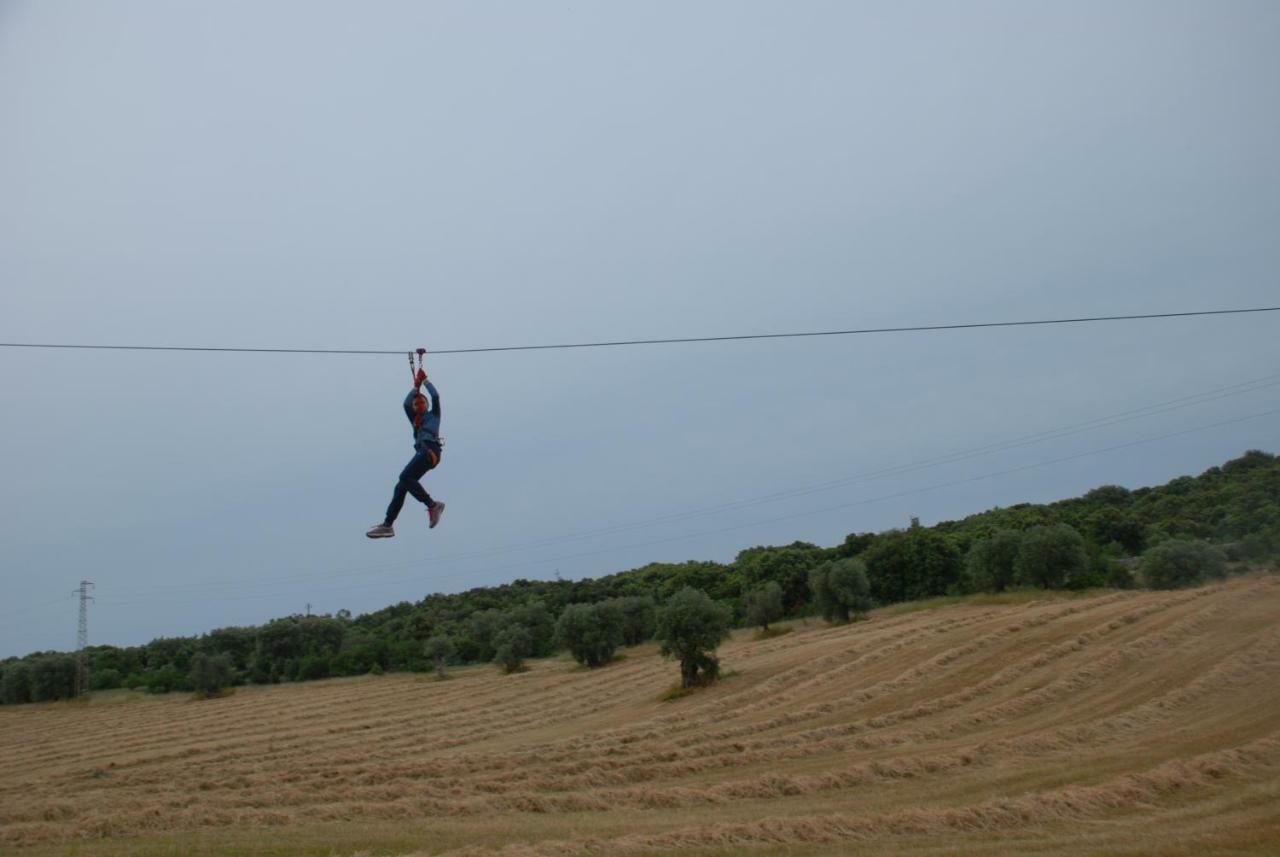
[
  {"x": 41, "y": 677},
  {"x": 1050, "y": 557},
  {"x": 841, "y": 589},
  {"x": 788, "y": 567},
  {"x": 763, "y": 605},
  {"x": 639, "y": 615},
  {"x": 211, "y": 674},
  {"x": 1093, "y": 540},
  {"x": 990, "y": 563},
  {"x": 511, "y": 646},
  {"x": 910, "y": 564},
  {"x": 691, "y": 627},
  {"x": 591, "y": 632},
  {"x": 1176, "y": 563}
]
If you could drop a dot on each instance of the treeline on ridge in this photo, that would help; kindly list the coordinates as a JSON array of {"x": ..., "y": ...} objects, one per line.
[{"x": 1176, "y": 534}]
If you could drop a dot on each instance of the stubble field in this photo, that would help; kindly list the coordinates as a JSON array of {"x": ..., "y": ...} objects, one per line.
[{"x": 1122, "y": 723}]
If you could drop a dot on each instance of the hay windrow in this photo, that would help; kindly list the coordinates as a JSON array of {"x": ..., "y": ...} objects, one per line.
[{"x": 929, "y": 723}]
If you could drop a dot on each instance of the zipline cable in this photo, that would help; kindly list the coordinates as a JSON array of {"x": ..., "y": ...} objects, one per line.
[{"x": 673, "y": 341}]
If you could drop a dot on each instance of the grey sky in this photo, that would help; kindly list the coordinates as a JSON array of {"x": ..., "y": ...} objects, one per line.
[{"x": 392, "y": 174}]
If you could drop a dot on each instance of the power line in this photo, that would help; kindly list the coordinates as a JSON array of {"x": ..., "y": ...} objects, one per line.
[{"x": 673, "y": 341}]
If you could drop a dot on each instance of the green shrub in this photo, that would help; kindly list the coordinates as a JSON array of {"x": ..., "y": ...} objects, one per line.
[
  {"x": 357, "y": 660},
  {"x": 209, "y": 674},
  {"x": 1176, "y": 563},
  {"x": 312, "y": 667},
  {"x": 1050, "y": 556},
  {"x": 1262, "y": 544},
  {"x": 105, "y": 679},
  {"x": 1119, "y": 576},
  {"x": 165, "y": 679}
]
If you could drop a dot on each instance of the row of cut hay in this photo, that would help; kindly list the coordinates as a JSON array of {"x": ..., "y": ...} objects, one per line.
[
  {"x": 457, "y": 740},
  {"x": 914, "y": 676},
  {"x": 325, "y": 785},
  {"x": 1182, "y": 778},
  {"x": 1243, "y": 671},
  {"x": 365, "y": 796},
  {"x": 614, "y": 769}
]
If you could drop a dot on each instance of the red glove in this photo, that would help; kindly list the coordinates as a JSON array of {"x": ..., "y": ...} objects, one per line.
[{"x": 419, "y": 378}]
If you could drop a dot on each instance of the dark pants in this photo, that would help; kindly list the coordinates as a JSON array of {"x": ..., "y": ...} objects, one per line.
[{"x": 408, "y": 484}]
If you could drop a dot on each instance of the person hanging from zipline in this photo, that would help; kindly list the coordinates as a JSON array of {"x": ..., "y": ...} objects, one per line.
[{"x": 427, "y": 446}]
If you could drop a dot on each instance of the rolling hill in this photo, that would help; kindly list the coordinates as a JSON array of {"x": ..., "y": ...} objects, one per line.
[{"x": 1119, "y": 723}]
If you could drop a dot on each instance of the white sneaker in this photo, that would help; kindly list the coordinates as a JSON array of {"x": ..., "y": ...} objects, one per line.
[
  {"x": 434, "y": 513},
  {"x": 381, "y": 531}
]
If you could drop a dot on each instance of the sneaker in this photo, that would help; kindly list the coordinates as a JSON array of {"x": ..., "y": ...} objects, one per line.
[
  {"x": 434, "y": 513},
  {"x": 381, "y": 531}
]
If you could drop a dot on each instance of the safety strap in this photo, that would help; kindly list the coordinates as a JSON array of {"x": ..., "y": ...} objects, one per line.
[{"x": 413, "y": 379}]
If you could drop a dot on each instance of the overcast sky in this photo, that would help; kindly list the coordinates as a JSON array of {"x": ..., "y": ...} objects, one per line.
[{"x": 467, "y": 174}]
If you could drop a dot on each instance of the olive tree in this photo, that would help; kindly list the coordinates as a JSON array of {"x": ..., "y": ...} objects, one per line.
[
  {"x": 763, "y": 605},
  {"x": 840, "y": 589},
  {"x": 511, "y": 646},
  {"x": 439, "y": 648},
  {"x": 591, "y": 632},
  {"x": 691, "y": 626},
  {"x": 991, "y": 561}
]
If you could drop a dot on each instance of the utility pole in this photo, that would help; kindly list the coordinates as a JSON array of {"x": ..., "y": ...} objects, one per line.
[{"x": 82, "y": 638}]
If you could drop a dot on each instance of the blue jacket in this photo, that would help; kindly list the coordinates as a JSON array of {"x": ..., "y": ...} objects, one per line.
[{"x": 428, "y": 433}]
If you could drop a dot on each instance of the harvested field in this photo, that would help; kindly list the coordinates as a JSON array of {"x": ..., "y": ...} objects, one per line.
[{"x": 1122, "y": 723}]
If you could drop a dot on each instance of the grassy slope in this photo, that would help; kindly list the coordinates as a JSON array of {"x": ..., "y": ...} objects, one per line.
[{"x": 1118, "y": 723}]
